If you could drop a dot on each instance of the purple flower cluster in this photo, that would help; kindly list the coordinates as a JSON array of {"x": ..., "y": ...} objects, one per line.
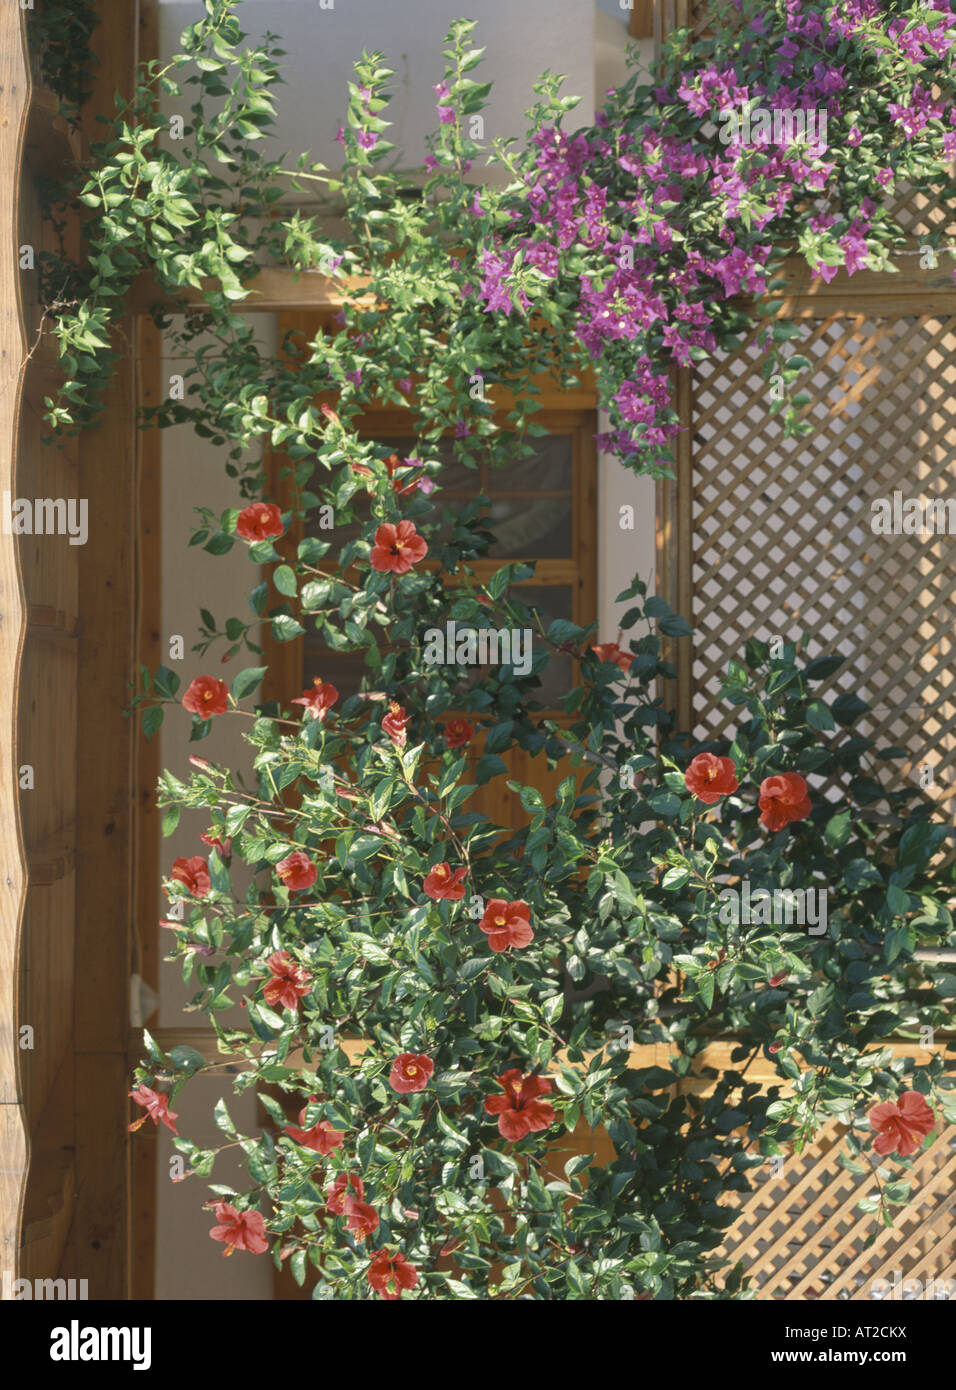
[{"x": 670, "y": 222}]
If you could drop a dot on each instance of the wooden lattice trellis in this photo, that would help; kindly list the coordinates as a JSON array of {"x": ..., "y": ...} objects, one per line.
[
  {"x": 780, "y": 529},
  {"x": 758, "y": 536},
  {"x": 800, "y": 1233}
]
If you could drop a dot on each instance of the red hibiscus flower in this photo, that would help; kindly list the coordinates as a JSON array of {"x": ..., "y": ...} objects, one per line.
[
  {"x": 360, "y": 1218},
  {"x": 458, "y": 732},
  {"x": 222, "y": 847},
  {"x": 341, "y": 1191},
  {"x": 783, "y": 799},
  {"x": 394, "y": 724},
  {"x": 710, "y": 778},
  {"x": 611, "y": 652},
  {"x": 259, "y": 522},
  {"x": 297, "y": 871},
  {"x": 902, "y": 1124},
  {"x": 321, "y": 1138},
  {"x": 442, "y": 883},
  {"x": 507, "y": 924},
  {"x": 319, "y": 700},
  {"x": 239, "y": 1230},
  {"x": 410, "y": 1072},
  {"x": 194, "y": 874},
  {"x": 389, "y": 1274},
  {"x": 206, "y": 696},
  {"x": 393, "y": 463},
  {"x": 157, "y": 1108},
  {"x": 519, "y": 1110},
  {"x": 397, "y": 548},
  {"x": 289, "y": 981}
]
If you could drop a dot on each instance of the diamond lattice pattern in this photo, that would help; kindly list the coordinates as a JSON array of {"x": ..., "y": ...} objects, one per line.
[{"x": 782, "y": 535}]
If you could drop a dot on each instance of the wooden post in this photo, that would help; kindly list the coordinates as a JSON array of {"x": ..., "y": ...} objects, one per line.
[
  {"x": 14, "y": 92},
  {"x": 105, "y": 845}
]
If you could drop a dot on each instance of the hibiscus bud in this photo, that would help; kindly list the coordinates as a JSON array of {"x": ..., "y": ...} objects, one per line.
[{"x": 201, "y": 764}]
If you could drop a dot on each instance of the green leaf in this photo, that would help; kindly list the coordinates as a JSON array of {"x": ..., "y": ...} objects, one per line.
[
  {"x": 223, "y": 1118},
  {"x": 577, "y": 1163},
  {"x": 186, "y": 1058},
  {"x": 285, "y": 581},
  {"x": 819, "y": 716},
  {"x": 152, "y": 719},
  {"x": 245, "y": 682}
]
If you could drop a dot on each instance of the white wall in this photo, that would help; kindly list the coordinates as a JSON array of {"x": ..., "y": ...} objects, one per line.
[{"x": 522, "y": 40}]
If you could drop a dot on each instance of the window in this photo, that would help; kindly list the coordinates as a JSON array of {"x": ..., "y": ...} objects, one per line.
[{"x": 542, "y": 510}]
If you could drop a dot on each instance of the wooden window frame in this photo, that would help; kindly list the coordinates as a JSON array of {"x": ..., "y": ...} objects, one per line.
[{"x": 578, "y": 572}]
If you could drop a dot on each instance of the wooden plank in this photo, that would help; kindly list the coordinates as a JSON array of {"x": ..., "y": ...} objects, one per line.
[
  {"x": 53, "y": 858},
  {"x": 52, "y": 145},
  {"x": 105, "y": 831},
  {"x": 51, "y": 624},
  {"x": 143, "y": 1160},
  {"x": 101, "y": 1225},
  {"x": 149, "y": 646},
  {"x": 641, "y": 25},
  {"x": 51, "y": 1191},
  {"x": 674, "y": 551},
  {"x": 274, "y": 290},
  {"x": 15, "y": 90},
  {"x": 279, "y": 289}
]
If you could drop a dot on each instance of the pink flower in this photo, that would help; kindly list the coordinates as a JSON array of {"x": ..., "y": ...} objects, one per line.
[
  {"x": 394, "y": 725},
  {"x": 441, "y": 882},
  {"x": 390, "y": 1274},
  {"x": 506, "y": 924},
  {"x": 297, "y": 871},
  {"x": 239, "y": 1230},
  {"x": 520, "y": 1110},
  {"x": 157, "y": 1108},
  {"x": 206, "y": 696},
  {"x": 901, "y": 1125},
  {"x": 289, "y": 981},
  {"x": 321, "y": 1138},
  {"x": 193, "y": 874},
  {"x": 319, "y": 700},
  {"x": 411, "y": 1071},
  {"x": 397, "y": 548}
]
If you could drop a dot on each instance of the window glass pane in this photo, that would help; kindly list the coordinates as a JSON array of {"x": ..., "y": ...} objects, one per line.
[
  {"x": 531, "y": 528},
  {"x": 547, "y": 470},
  {"x": 549, "y": 601}
]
